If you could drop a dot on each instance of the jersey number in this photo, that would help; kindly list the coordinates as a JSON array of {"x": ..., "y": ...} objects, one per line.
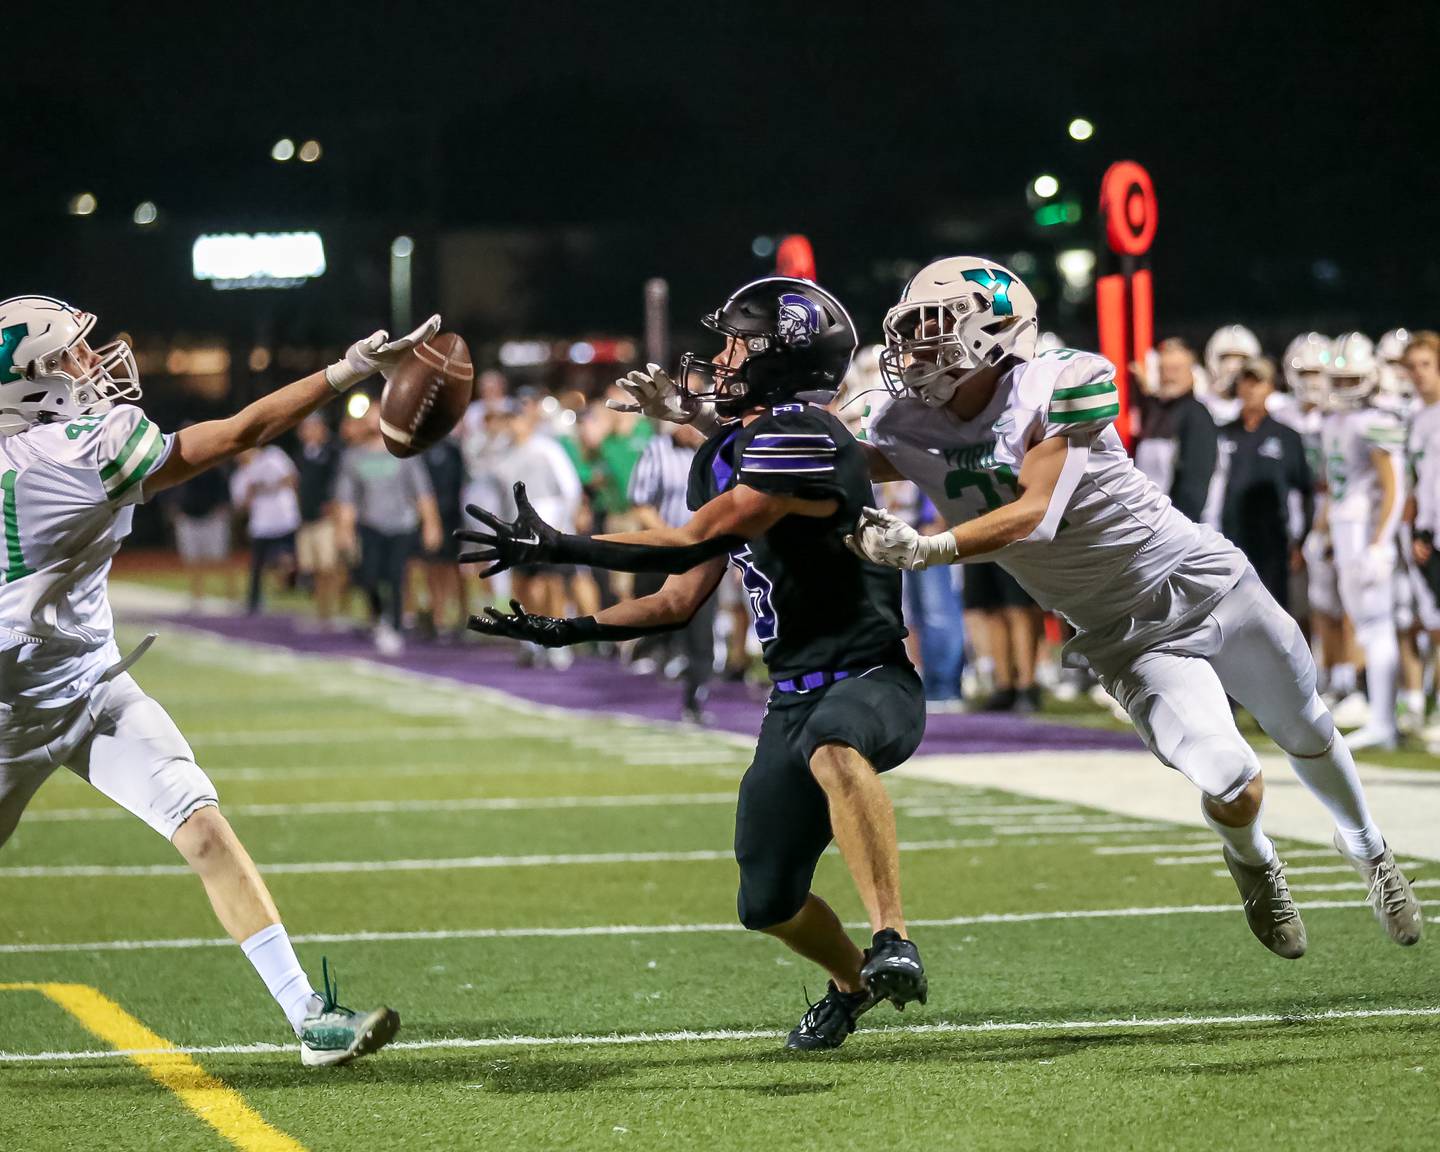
[
  {"x": 758, "y": 589},
  {"x": 14, "y": 558},
  {"x": 957, "y": 481},
  {"x": 77, "y": 428}
]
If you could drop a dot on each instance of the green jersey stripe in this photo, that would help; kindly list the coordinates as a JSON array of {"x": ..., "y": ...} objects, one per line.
[
  {"x": 1086, "y": 404},
  {"x": 1107, "y": 413},
  {"x": 126, "y": 450},
  {"x": 141, "y": 465},
  {"x": 1095, "y": 389}
]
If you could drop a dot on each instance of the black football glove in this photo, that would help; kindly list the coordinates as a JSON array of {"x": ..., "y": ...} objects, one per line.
[
  {"x": 547, "y": 631},
  {"x": 525, "y": 540}
]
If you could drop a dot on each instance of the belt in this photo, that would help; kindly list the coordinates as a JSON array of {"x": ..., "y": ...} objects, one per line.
[{"x": 810, "y": 681}]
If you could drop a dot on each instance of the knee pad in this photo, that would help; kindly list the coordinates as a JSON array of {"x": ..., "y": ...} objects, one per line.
[
  {"x": 1309, "y": 733},
  {"x": 1220, "y": 766},
  {"x": 764, "y": 906}
]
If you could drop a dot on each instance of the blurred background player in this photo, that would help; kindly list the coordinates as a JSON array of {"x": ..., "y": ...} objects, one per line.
[
  {"x": 200, "y": 511},
  {"x": 74, "y": 461},
  {"x": 263, "y": 490},
  {"x": 1422, "y": 361},
  {"x": 1178, "y": 445},
  {"x": 1363, "y": 445},
  {"x": 447, "y": 611},
  {"x": 535, "y": 457},
  {"x": 1227, "y": 351},
  {"x": 381, "y": 500},
  {"x": 317, "y": 555},
  {"x": 1262, "y": 498},
  {"x": 658, "y": 487}
]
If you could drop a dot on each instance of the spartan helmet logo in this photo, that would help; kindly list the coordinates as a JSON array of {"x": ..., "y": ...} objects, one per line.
[{"x": 798, "y": 320}]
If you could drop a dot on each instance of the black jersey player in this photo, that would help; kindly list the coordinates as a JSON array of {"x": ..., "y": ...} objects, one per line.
[{"x": 776, "y": 486}]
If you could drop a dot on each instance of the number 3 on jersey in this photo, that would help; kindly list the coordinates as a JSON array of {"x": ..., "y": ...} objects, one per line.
[
  {"x": 757, "y": 588},
  {"x": 14, "y": 559}
]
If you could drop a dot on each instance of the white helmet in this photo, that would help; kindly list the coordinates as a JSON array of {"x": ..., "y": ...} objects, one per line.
[
  {"x": 1307, "y": 358},
  {"x": 1396, "y": 389},
  {"x": 957, "y": 316},
  {"x": 1232, "y": 341},
  {"x": 40, "y": 380},
  {"x": 1352, "y": 373}
]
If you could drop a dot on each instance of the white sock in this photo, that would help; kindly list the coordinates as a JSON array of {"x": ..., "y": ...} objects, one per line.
[
  {"x": 1414, "y": 701},
  {"x": 1331, "y": 779},
  {"x": 1382, "y": 671},
  {"x": 1249, "y": 844},
  {"x": 269, "y": 950},
  {"x": 1342, "y": 680}
]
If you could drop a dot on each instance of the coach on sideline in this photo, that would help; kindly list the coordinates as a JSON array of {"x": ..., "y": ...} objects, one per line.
[{"x": 1262, "y": 497}]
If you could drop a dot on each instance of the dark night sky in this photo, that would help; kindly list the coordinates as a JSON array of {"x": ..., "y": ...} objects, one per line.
[{"x": 1278, "y": 134}]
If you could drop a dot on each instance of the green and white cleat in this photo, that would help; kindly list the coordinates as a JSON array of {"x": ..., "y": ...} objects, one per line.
[
  {"x": 336, "y": 1035},
  {"x": 1269, "y": 909},
  {"x": 1390, "y": 895}
]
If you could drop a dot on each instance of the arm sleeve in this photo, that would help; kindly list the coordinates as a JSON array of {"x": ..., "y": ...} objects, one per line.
[
  {"x": 791, "y": 451},
  {"x": 1194, "y": 461}
]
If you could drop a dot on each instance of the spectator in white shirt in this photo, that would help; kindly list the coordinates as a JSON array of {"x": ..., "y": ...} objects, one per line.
[{"x": 264, "y": 489}]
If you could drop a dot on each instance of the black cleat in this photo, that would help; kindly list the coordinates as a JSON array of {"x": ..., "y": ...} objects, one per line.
[
  {"x": 893, "y": 970},
  {"x": 830, "y": 1019}
]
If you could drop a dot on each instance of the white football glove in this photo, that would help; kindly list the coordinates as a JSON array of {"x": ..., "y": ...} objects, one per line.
[
  {"x": 657, "y": 396},
  {"x": 376, "y": 353},
  {"x": 883, "y": 538}
]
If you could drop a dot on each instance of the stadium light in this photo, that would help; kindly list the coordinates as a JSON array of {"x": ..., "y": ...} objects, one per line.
[
  {"x": 402, "y": 247},
  {"x": 283, "y": 150},
  {"x": 762, "y": 247},
  {"x": 1045, "y": 186},
  {"x": 1081, "y": 129},
  {"x": 310, "y": 151},
  {"x": 259, "y": 260},
  {"x": 357, "y": 405},
  {"x": 1076, "y": 267},
  {"x": 146, "y": 213},
  {"x": 83, "y": 205}
]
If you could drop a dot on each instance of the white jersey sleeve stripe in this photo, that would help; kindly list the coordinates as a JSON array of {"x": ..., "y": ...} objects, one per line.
[{"x": 134, "y": 461}]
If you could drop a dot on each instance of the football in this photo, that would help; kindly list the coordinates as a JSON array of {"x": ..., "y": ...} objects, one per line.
[{"x": 426, "y": 396}]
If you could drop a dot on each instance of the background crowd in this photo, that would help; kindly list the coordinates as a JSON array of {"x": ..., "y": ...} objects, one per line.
[{"x": 1255, "y": 446}]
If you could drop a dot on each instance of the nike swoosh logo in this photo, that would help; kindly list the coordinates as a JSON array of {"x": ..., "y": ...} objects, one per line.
[{"x": 526, "y": 540}]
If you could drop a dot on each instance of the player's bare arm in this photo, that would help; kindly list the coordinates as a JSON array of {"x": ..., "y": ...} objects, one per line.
[
  {"x": 1046, "y": 482},
  {"x": 212, "y": 442},
  {"x": 669, "y": 608},
  {"x": 720, "y": 526}
]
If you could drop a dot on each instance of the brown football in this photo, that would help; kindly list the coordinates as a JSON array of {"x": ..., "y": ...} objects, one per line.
[{"x": 426, "y": 395}]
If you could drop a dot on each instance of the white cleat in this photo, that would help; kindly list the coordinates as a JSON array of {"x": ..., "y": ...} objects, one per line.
[
  {"x": 1352, "y": 712},
  {"x": 1372, "y": 738},
  {"x": 1390, "y": 894}
]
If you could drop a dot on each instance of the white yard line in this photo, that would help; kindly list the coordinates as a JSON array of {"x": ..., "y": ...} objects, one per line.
[
  {"x": 436, "y": 864},
  {"x": 616, "y": 1039},
  {"x": 1211, "y": 857},
  {"x": 1321, "y": 870},
  {"x": 593, "y": 930},
  {"x": 462, "y": 804},
  {"x": 1406, "y": 802}
]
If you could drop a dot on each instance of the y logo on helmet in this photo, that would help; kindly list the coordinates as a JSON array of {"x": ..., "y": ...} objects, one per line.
[
  {"x": 10, "y": 340},
  {"x": 999, "y": 284},
  {"x": 799, "y": 320}
]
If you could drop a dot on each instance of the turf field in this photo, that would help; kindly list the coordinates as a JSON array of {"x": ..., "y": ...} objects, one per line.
[{"x": 549, "y": 901}]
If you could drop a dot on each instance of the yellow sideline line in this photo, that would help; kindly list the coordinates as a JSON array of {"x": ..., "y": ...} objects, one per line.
[{"x": 212, "y": 1100}]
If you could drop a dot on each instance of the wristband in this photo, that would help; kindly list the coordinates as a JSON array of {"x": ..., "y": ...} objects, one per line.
[
  {"x": 342, "y": 377},
  {"x": 941, "y": 548}
]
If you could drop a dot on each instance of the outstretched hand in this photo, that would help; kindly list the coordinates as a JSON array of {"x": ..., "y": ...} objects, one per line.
[
  {"x": 517, "y": 624},
  {"x": 525, "y": 540}
]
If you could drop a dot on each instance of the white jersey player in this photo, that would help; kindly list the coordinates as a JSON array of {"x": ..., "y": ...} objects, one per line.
[
  {"x": 1363, "y": 447},
  {"x": 74, "y": 461},
  {"x": 1023, "y": 457},
  {"x": 1422, "y": 361}
]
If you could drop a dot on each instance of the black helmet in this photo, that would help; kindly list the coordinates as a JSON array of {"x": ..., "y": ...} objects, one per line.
[{"x": 798, "y": 341}]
